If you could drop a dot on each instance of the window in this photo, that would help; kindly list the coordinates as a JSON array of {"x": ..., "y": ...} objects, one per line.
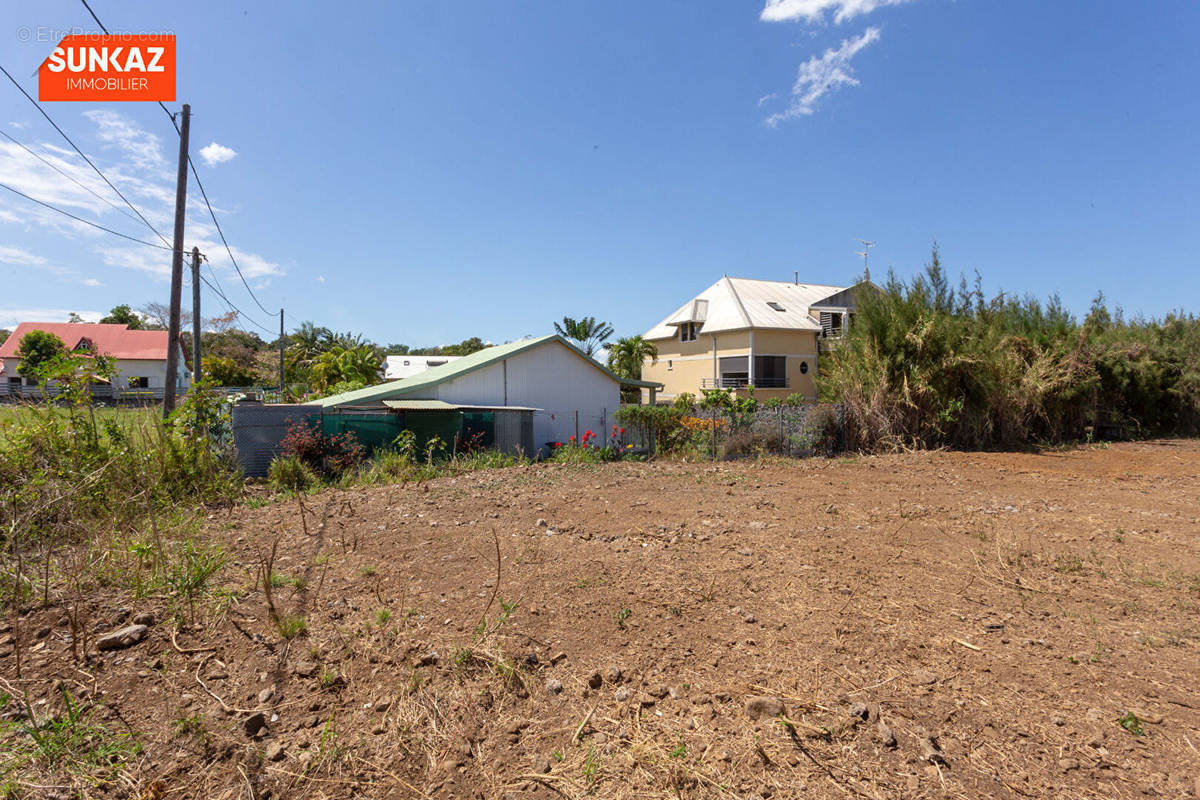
[
  {"x": 803, "y": 367},
  {"x": 775, "y": 305},
  {"x": 139, "y": 382},
  {"x": 407, "y": 363},
  {"x": 688, "y": 332},
  {"x": 770, "y": 372},
  {"x": 831, "y": 324}
]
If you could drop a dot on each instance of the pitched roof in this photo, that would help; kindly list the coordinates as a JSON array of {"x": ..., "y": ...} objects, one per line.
[
  {"x": 117, "y": 341},
  {"x": 734, "y": 304},
  {"x": 424, "y": 381}
]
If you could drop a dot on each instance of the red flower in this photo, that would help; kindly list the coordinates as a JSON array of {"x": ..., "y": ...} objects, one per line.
[{"x": 622, "y": 430}]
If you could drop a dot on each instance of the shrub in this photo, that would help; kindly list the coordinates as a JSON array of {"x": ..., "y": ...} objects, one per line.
[
  {"x": 291, "y": 474},
  {"x": 923, "y": 365},
  {"x": 332, "y": 456}
]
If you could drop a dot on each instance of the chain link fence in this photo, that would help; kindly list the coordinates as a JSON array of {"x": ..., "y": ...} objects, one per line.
[{"x": 795, "y": 431}]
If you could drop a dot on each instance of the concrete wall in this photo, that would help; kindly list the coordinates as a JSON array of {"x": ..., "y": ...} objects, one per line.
[{"x": 683, "y": 366}]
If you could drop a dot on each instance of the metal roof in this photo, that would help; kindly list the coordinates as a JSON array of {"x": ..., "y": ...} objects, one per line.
[
  {"x": 423, "y": 381},
  {"x": 735, "y": 304},
  {"x": 442, "y": 405}
]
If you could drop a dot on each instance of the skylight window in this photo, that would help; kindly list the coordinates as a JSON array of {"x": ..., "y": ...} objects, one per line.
[{"x": 775, "y": 305}]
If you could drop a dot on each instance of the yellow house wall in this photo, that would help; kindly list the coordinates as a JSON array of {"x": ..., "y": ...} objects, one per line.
[{"x": 682, "y": 366}]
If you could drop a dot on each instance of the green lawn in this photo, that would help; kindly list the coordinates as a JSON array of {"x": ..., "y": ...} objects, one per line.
[{"x": 13, "y": 414}]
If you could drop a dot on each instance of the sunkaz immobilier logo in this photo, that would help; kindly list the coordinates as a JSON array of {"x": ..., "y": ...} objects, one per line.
[{"x": 95, "y": 67}]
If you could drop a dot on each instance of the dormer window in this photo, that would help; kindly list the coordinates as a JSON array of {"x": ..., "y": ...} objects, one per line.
[
  {"x": 775, "y": 305},
  {"x": 688, "y": 332}
]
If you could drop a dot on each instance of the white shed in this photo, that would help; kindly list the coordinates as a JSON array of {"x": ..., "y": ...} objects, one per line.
[
  {"x": 569, "y": 392},
  {"x": 406, "y": 366}
]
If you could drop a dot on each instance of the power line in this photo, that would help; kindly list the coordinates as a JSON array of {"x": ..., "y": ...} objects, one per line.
[
  {"x": 166, "y": 111},
  {"x": 203, "y": 193},
  {"x": 84, "y": 221},
  {"x": 66, "y": 175},
  {"x": 228, "y": 251},
  {"x": 42, "y": 111},
  {"x": 232, "y": 307}
]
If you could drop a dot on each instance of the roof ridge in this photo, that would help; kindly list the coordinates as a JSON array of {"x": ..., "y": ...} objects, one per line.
[{"x": 738, "y": 300}]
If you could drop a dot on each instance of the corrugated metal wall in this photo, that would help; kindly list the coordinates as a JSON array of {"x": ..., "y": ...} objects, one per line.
[
  {"x": 514, "y": 433},
  {"x": 258, "y": 430}
]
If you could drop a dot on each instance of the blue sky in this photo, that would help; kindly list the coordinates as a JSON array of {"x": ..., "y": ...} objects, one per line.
[{"x": 423, "y": 172}]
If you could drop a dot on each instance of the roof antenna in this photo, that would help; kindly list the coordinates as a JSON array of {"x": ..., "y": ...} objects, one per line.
[
  {"x": 865, "y": 251},
  {"x": 797, "y": 281}
]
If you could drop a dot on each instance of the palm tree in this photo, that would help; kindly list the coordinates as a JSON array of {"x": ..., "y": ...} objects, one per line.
[
  {"x": 626, "y": 357},
  {"x": 587, "y": 333}
]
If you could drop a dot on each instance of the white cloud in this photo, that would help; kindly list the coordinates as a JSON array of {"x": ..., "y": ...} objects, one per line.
[
  {"x": 823, "y": 74},
  {"x": 812, "y": 11},
  {"x": 138, "y": 144},
  {"x": 133, "y": 160},
  {"x": 11, "y": 317},
  {"x": 19, "y": 257},
  {"x": 214, "y": 154}
]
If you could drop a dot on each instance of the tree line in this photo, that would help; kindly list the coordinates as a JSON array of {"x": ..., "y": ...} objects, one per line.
[{"x": 318, "y": 360}]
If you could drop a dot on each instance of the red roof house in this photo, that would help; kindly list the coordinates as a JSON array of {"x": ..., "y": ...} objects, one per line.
[{"x": 141, "y": 356}]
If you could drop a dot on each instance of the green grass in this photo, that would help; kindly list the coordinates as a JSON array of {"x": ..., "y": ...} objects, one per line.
[{"x": 15, "y": 414}]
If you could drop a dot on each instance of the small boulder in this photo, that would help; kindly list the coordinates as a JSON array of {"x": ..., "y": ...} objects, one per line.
[
  {"x": 764, "y": 707},
  {"x": 276, "y": 751},
  {"x": 305, "y": 669},
  {"x": 554, "y": 686},
  {"x": 124, "y": 637},
  {"x": 613, "y": 674},
  {"x": 859, "y": 710},
  {"x": 144, "y": 618}
]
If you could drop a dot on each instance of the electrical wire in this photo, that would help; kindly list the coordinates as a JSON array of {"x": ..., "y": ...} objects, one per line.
[
  {"x": 85, "y": 221},
  {"x": 232, "y": 307},
  {"x": 54, "y": 124},
  {"x": 221, "y": 233},
  {"x": 203, "y": 193},
  {"x": 66, "y": 175}
]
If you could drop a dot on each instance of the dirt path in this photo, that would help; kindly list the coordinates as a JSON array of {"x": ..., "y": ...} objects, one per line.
[{"x": 935, "y": 625}]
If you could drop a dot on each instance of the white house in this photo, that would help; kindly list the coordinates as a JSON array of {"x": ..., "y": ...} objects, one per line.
[
  {"x": 140, "y": 357},
  {"x": 406, "y": 366},
  {"x": 566, "y": 392}
]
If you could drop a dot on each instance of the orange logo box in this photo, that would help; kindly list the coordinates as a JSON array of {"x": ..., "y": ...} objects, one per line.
[{"x": 109, "y": 68}]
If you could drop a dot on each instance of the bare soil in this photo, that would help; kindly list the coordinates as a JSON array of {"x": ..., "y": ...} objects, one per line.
[{"x": 924, "y": 625}]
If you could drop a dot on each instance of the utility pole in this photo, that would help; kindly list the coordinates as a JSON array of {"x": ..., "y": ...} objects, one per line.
[
  {"x": 281, "y": 355},
  {"x": 177, "y": 266},
  {"x": 195, "y": 315}
]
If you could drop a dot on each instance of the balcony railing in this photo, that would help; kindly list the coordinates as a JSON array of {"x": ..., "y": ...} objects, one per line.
[{"x": 742, "y": 383}]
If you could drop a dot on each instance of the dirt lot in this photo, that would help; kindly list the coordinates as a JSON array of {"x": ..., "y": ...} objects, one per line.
[{"x": 929, "y": 625}]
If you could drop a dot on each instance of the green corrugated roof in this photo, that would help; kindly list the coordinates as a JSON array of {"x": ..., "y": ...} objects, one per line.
[
  {"x": 459, "y": 367},
  {"x": 442, "y": 405}
]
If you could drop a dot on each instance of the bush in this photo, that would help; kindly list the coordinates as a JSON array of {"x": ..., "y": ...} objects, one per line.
[
  {"x": 925, "y": 366},
  {"x": 291, "y": 474},
  {"x": 330, "y": 456}
]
